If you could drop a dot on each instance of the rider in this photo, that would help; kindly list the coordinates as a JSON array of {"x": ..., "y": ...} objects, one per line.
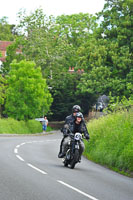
[
  {"x": 69, "y": 119},
  {"x": 77, "y": 125}
]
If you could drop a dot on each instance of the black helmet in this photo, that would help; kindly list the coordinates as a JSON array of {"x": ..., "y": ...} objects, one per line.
[
  {"x": 79, "y": 114},
  {"x": 76, "y": 108}
]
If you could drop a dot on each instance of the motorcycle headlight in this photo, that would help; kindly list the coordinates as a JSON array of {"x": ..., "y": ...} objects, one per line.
[{"x": 78, "y": 136}]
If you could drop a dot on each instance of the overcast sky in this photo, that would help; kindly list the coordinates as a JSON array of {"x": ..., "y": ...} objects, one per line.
[{"x": 10, "y": 8}]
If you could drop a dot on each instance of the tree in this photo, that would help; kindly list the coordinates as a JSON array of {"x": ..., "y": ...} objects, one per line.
[
  {"x": 76, "y": 27},
  {"x": 107, "y": 55},
  {"x": 6, "y": 30},
  {"x": 27, "y": 95},
  {"x": 12, "y": 55},
  {"x": 104, "y": 52},
  {"x": 2, "y": 92},
  {"x": 52, "y": 42},
  {"x": 66, "y": 94},
  {"x": 117, "y": 28}
]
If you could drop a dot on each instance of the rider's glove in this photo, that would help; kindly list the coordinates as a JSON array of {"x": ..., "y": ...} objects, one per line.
[
  {"x": 87, "y": 137},
  {"x": 65, "y": 133},
  {"x": 71, "y": 135}
]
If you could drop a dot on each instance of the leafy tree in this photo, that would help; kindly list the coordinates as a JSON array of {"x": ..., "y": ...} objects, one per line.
[
  {"x": 39, "y": 42},
  {"x": 6, "y": 30},
  {"x": 117, "y": 28},
  {"x": 63, "y": 87},
  {"x": 66, "y": 94},
  {"x": 117, "y": 21},
  {"x": 76, "y": 27},
  {"x": 2, "y": 92},
  {"x": 106, "y": 56},
  {"x": 11, "y": 54},
  {"x": 104, "y": 52},
  {"x": 52, "y": 42},
  {"x": 27, "y": 95}
]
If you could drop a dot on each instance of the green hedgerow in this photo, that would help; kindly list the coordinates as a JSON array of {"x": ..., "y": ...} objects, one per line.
[
  {"x": 111, "y": 141},
  {"x": 12, "y": 126}
]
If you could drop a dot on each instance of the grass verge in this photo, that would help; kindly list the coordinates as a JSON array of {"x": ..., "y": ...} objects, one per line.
[
  {"x": 111, "y": 142},
  {"x": 12, "y": 126}
]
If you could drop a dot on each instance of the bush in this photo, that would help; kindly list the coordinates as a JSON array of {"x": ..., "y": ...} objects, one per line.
[
  {"x": 13, "y": 126},
  {"x": 111, "y": 141}
]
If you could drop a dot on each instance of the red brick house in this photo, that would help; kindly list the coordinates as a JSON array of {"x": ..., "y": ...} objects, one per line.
[{"x": 3, "y": 49}]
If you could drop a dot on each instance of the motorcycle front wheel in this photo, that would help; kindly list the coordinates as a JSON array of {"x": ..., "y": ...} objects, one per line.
[
  {"x": 67, "y": 158},
  {"x": 65, "y": 163},
  {"x": 75, "y": 159}
]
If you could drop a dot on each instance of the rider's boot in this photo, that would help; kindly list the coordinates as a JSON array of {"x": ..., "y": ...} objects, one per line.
[
  {"x": 80, "y": 158},
  {"x": 61, "y": 154}
]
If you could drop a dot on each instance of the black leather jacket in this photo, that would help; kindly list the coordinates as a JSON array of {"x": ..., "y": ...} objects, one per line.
[
  {"x": 69, "y": 119},
  {"x": 69, "y": 126}
]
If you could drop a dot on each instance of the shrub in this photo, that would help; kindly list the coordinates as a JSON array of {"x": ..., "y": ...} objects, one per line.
[
  {"x": 111, "y": 141},
  {"x": 11, "y": 126}
]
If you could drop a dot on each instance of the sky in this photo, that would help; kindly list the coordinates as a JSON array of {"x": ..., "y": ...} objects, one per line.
[{"x": 10, "y": 8}]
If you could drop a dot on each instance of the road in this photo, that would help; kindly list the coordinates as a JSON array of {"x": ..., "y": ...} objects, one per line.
[{"x": 31, "y": 170}]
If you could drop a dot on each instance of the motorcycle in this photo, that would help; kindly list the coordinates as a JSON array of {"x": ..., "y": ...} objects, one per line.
[{"x": 72, "y": 154}]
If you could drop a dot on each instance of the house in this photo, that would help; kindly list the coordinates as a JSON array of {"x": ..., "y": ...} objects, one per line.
[{"x": 3, "y": 48}]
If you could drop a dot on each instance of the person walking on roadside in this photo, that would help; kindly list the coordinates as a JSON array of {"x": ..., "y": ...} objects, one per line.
[{"x": 44, "y": 124}]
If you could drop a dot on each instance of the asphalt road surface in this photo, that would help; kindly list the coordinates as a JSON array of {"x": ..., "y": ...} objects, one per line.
[{"x": 31, "y": 170}]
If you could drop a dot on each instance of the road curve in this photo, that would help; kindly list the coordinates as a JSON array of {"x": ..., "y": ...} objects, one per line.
[{"x": 31, "y": 170}]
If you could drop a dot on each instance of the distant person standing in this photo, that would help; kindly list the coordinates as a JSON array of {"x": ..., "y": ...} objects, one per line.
[{"x": 44, "y": 124}]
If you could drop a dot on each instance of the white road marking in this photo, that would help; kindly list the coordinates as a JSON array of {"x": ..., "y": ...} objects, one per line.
[
  {"x": 22, "y": 143},
  {"x": 37, "y": 169},
  {"x": 77, "y": 190},
  {"x": 43, "y": 172},
  {"x": 31, "y": 142},
  {"x": 15, "y": 150},
  {"x": 19, "y": 158}
]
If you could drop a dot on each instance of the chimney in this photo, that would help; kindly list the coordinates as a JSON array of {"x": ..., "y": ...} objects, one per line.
[
  {"x": 79, "y": 71},
  {"x": 69, "y": 69},
  {"x": 72, "y": 69}
]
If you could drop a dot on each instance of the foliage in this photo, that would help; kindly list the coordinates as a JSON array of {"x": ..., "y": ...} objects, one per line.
[
  {"x": 107, "y": 54},
  {"x": 12, "y": 55},
  {"x": 2, "y": 92},
  {"x": 117, "y": 21},
  {"x": 101, "y": 46},
  {"x": 2, "y": 89},
  {"x": 111, "y": 141},
  {"x": 27, "y": 95},
  {"x": 48, "y": 43},
  {"x": 6, "y": 30},
  {"x": 117, "y": 104},
  {"x": 66, "y": 94},
  {"x": 76, "y": 27},
  {"x": 12, "y": 126}
]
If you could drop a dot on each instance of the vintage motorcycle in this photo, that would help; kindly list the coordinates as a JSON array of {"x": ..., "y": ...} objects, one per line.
[{"x": 72, "y": 154}]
